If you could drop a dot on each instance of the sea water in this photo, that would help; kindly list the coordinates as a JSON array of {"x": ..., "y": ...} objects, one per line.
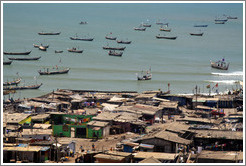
[{"x": 184, "y": 62}]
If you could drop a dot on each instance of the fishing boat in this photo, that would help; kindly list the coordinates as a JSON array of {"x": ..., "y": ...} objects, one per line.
[
  {"x": 83, "y": 22},
  {"x": 166, "y": 37},
  {"x": 123, "y": 42},
  {"x": 166, "y": 29},
  {"x": 49, "y": 33},
  {"x": 42, "y": 48},
  {"x": 196, "y": 34},
  {"x": 200, "y": 25},
  {"x": 75, "y": 50},
  {"x": 15, "y": 82},
  {"x": 139, "y": 29},
  {"x": 158, "y": 22},
  {"x": 83, "y": 39},
  {"x": 7, "y": 62},
  {"x": 56, "y": 51},
  {"x": 52, "y": 72},
  {"x": 110, "y": 38},
  {"x": 146, "y": 76},
  {"x": 35, "y": 45},
  {"x": 17, "y": 53},
  {"x": 221, "y": 64},
  {"x": 22, "y": 87},
  {"x": 114, "y": 53},
  {"x": 113, "y": 48},
  {"x": 230, "y": 17},
  {"x": 220, "y": 22},
  {"x": 221, "y": 19},
  {"x": 25, "y": 58}
]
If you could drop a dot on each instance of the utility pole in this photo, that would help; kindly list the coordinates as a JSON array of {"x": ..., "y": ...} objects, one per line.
[{"x": 196, "y": 98}]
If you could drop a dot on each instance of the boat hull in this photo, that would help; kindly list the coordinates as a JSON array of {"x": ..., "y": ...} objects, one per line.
[
  {"x": 25, "y": 59},
  {"x": 166, "y": 37},
  {"x": 114, "y": 48},
  {"x": 17, "y": 53},
  {"x": 22, "y": 87},
  {"x": 54, "y": 72}
]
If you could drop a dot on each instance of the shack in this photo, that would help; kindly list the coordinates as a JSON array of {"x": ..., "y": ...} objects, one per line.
[
  {"x": 97, "y": 129},
  {"x": 162, "y": 157},
  {"x": 165, "y": 141},
  {"x": 220, "y": 157}
]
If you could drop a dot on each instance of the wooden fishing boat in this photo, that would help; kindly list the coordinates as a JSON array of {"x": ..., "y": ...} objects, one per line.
[
  {"x": 146, "y": 25},
  {"x": 75, "y": 50},
  {"x": 146, "y": 76},
  {"x": 83, "y": 39},
  {"x": 7, "y": 62},
  {"x": 49, "y": 33},
  {"x": 15, "y": 82},
  {"x": 230, "y": 17},
  {"x": 17, "y": 53},
  {"x": 123, "y": 42},
  {"x": 48, "y": 72},
  {"x": 83, "y": 22},
  {"x": 221, "y": 19},
  {"x": 166, "y": 37},
  {"x": 200, "y": 25},
  {"x": 35, "y": 45},
  {"x": 221, "y": 64},
  {"x": 220, "y": 22},
  {"x": 166, "y": 29},
  {"x": 196, "y": 34},
  {"x": 114, "y": 48},
  {"x": 42, "y": 48},
  {"x": 56, "y": 51},
  {"x": 139, "y": 29},
  {"x": 114, "y": 53},
  {"x": 110, "y": 38},
  {"x": 26, "y": 59},
  {"x": 22, "y": 87}
]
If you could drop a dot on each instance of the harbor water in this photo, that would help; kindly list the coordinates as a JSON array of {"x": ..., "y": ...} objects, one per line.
[{"x": 184, "y": 62}]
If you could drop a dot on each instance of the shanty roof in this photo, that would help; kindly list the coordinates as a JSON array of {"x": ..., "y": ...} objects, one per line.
[
  {"x": 40, "y": 116},
  {"x": 167, "y": 136},
  {"x": 41, "y": 126},
  {"x": 169, "y": 104},
  {"x": 156, "y": 155},
  {"x": 109, "y": 157},
  {"x": 117, "y": 99},
  {"x": 109, "y": 107},
  {"x": 106, "y": 116},
  {"x": 139, "y": 109},
  {"x": 221, "y": 155},
  {"x": 204, "y": 120},
  {"x": 145, "y": 96},
  {"x": 98, "y": 123},
  {"x": 177, "y": 127},
  {"x": 233, "y": 135},
  {"x": 150, "y": 160},
  {"x": 23, "y": 149},
  {"x": 117, "y": 153},
  {"x": 130, "y": 118},
  {"x": 15, "y": 117},
  {"x": 36, "y": 131}
]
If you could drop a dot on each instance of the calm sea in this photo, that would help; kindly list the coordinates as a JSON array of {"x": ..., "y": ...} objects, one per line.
[{"x": 184, "y": 62}]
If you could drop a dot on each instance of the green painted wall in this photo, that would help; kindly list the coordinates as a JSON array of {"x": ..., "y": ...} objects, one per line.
[
  {"x": 90, "y": 133},
  {"x": 57, "y": 129}
]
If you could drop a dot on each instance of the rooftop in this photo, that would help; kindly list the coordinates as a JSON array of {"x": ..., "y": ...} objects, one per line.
[
  {"x": 156, "y": 155},
  {"x": 221, "y": 155}
]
